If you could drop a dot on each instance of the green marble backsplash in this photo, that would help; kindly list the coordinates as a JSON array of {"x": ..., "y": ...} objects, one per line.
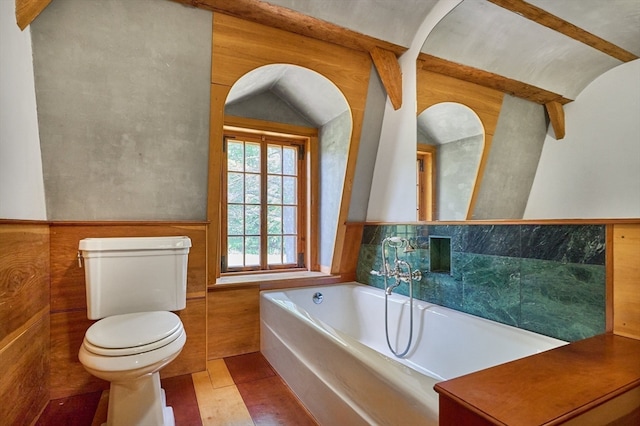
[{"x": 549, "y": 279}]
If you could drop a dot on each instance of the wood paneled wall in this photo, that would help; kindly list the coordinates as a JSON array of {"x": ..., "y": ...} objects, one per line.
[
  {"x": 626, "y": 280},
  {"x": 24, "y": 321},
  {"x": 68, "y": 301},
  {"x": 233, "y": 321}
]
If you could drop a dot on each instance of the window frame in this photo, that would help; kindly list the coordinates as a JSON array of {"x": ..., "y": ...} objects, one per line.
[
  {"x": 264, "y": 132},
  {"x": 426, "y": 182}
]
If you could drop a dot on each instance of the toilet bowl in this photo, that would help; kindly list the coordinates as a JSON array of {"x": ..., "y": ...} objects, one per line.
[
  {"x": 133, "y": 284},
  {"x": 129, "y": 350}
]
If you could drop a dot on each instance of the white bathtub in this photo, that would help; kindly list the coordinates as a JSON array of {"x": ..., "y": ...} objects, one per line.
[{"x": 334, "y": 355}]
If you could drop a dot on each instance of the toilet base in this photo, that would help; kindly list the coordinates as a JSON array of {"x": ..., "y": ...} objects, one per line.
[{"x": 139, "y": 402}]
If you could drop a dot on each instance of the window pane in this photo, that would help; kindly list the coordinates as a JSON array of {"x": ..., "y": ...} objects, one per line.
[
  {"x": 252, "y": 220},
  {"x": 274, "y": 220},
  {"x": 235, "y": 156},
  {"x": 289, "y": 160},
  {"x": 289, "y": 220},
  {"x": 252, "y": 189},
  {"x": 288, "y": 190},
  {"x": 274, "y": 250},
  {"x": 252, "y": 255},
  {"x": 274, "y": 189},
  {"x": 274, "y": 159},
  {"x": 235, "y": 248},
  {"x": 290, "y": 252},
  {"x": 235, "y": 219},
  {"x": 252, "y": 157},
  {"x": 235, "y": 187}
]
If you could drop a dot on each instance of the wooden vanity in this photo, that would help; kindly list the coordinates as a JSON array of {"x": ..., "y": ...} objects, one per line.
[{"x": 595, "y": 381}]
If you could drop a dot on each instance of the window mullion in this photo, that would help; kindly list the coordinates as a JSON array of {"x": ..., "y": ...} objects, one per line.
[{"x": 263, "y": 205}]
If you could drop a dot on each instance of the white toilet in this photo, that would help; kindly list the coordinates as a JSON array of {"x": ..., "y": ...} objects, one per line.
[{"x": 132, "y": 285}]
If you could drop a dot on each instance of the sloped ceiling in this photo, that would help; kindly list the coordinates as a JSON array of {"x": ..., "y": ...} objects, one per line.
[{"x": 480, "y": 34}]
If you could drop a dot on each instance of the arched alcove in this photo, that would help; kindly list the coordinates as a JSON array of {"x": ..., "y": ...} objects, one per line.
[
  {"x": 240, "y": 47},
  {"x": 458, "y": 135},
  {"x": 299, "y": 99}
]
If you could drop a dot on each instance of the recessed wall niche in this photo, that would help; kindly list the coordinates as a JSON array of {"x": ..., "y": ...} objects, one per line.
[{"x": 440, "y": 255}]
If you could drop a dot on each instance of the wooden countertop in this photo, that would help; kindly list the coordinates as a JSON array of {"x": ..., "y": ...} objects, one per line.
[{"x": 551, "y": 387}]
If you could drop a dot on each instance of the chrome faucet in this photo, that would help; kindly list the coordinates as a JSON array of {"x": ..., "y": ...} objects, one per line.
[{"x": 401, "y": 269}]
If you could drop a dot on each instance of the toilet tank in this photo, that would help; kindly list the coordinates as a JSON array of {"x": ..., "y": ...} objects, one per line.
[{"x": 134, "y": 274}]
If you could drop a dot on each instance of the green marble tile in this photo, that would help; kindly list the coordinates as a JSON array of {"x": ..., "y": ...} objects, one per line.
[
  {"x": 563, "y": 300},
  {"x": 441, "y": 289},
  {"x": 491, "y": 286},
  {"x": 491, "y": 278}
]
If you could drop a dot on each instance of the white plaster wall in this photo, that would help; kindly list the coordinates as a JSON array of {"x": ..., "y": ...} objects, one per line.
[
  {"x": 594, "y": 172},
  {"x": 393, "y": 188},
  {"x": 21, "y": 183}
]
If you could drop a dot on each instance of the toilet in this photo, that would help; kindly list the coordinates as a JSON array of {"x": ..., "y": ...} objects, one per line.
[{"x": 132, "y": 285}]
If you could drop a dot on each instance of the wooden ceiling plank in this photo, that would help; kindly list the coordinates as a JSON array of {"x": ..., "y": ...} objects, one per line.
[
  {"x": 555, "y": 23},
  {"x": 289, "y": 20},
  {"x": 390, "y": 73},
  {"x": 490, "y": 80},
  {"x": 28, "y": 10}
]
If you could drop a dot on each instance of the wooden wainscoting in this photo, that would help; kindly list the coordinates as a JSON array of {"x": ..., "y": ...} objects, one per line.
[
  {"x": 626, "y": 280},
  {"x": 68, "y": 301},
  {"x": 233, "y": 321},
  {"x": 24, "y": 321}
]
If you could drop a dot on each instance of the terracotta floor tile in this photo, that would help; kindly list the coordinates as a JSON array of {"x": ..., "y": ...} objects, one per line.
[
  {"x": 271, "y": 402},
  {"x": 101, "y": 412},
  {"x": 75, "y": 410},
  {"x": 181, "y": 396},
  {"x": 249, "y": 367},
  {"x": 204, "y": 398}
]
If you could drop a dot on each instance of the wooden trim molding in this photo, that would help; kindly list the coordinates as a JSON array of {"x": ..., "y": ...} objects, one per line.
[
  {"x": 28, "y": 10},
  {"x": 555, "y": 23}
]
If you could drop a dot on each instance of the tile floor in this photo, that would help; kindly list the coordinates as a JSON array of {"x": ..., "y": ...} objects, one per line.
[{"x": 239, "y": 390}]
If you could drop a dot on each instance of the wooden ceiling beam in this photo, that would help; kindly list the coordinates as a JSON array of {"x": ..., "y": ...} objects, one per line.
[
  {"x": 295, "y": 22},
  {"x": 390, "y": 73},
  {"x": 28, "y": 10},
  {"x": 555, "y": 111},
  {"x": 491, "y": 80},
  {"x": 548, "y": 20}
]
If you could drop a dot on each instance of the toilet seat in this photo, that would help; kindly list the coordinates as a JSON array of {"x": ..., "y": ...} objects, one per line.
[{"x": 130, "y": 334}]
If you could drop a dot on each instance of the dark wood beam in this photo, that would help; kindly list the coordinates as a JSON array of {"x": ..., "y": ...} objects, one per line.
[
  {"x": 28, "y": 10},
  {"x": 295, "y": 22},
  {"x": 491, "y": 80},
  {"x": 545, "y": 18}
]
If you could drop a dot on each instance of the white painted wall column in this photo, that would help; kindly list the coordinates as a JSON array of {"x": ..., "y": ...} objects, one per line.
[
  {"x": 21, "y": 181},
  {"x": 393, "y": 190}
]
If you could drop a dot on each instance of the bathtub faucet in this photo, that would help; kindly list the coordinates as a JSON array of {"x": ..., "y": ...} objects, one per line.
[{"x": 401, "y": 269}]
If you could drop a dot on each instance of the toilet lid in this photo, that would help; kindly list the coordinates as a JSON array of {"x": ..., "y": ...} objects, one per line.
[{"x": 135, "y": 331}]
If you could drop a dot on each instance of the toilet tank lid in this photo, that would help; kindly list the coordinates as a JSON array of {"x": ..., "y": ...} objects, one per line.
[{"x": 134, "y": 243}]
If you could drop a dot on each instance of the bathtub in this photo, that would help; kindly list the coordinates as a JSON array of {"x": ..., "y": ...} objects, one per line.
[{"x": 334, "y": 354}]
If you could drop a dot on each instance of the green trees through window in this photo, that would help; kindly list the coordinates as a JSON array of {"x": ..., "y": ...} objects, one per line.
[{"x": 264, "y": 203}]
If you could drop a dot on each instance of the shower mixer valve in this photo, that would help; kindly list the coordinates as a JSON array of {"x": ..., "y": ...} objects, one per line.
[{"x": 401, "y": 269}]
